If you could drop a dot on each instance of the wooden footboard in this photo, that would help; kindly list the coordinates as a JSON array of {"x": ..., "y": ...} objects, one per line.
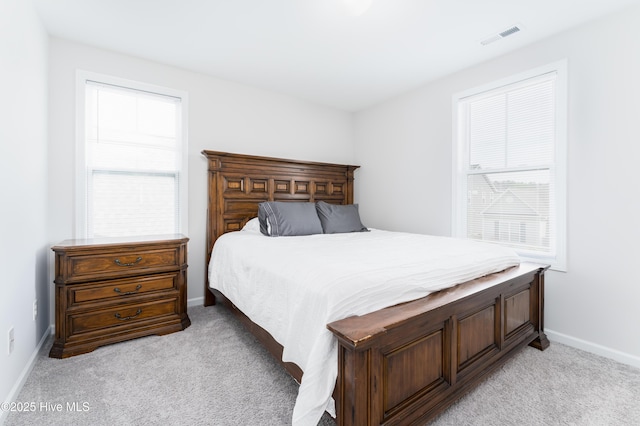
[{"x": 406, "y": 364}]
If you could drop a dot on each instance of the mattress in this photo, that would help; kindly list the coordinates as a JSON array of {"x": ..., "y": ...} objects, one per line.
[{"x": 294, "y": 286}]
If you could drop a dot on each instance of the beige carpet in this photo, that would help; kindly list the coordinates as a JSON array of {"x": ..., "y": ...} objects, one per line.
[{"x": 215, "y": 373}]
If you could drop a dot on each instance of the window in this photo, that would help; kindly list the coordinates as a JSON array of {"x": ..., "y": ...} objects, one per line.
[
  {"x": 131, "y": 150},
  {"x": 509, "y": 164}
]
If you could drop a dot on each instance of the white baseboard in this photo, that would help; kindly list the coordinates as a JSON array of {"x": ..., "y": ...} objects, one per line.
[
  {"x": 196, "y": 301},
  {"x": 17, "y": 387},
  {"x": 594, "y": 348}
]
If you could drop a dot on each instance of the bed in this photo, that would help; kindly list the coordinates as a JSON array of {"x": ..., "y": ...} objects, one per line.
[{"x": 403, "y": 364}]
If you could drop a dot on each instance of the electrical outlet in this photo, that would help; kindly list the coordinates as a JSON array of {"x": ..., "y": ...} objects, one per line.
[
  {"x": 11, "y": 340},
  {"x": 35, "y": 309}
]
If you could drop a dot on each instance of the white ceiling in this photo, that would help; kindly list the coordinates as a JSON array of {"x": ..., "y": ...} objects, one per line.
[{"x": 314, "y": 49}]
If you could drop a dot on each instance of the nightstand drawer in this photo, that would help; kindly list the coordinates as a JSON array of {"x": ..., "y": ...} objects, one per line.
[
  {"x": 121, "y": 263},
  {"x": 121, "y": 315},
  {"x": 121, "y": 289}
]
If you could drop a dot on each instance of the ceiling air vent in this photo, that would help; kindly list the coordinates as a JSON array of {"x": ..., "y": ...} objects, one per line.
[{"x": 501, "y": 35}]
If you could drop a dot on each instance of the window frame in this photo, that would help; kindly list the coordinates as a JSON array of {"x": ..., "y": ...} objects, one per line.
[
  {"x": 557, "y": 261},
  {"x": 81, "y": 181}
]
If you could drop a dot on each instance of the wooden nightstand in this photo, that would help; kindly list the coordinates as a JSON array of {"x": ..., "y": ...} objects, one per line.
[{"x": 114, "y": 289}]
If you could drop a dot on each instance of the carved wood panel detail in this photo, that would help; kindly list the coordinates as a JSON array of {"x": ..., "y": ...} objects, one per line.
[
  {"x": 301, "y": 187},
  {"x": 233, "y": 224},
  {"x": 258, "y": 185},
  {"x": 516, "y": 311},
  {"x": 337, "y": 188},
  {"x": 413, "y": 368},
  {"x": 282, "y": 186},
  {"x": 242, "y": 206},
  {"x": 233, "y": 184},
  {"x": 322, "y": 188},
  {"x": 476, "y": 335}
]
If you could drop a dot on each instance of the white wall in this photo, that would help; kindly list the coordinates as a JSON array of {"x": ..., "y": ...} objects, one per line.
[
  {"x": 23, "y": 173},
  {"x": 404, "y": 146},
  {"x": 223, "y": 116}
]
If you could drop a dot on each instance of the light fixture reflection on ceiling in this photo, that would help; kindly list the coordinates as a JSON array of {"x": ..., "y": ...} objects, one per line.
[{"x": 357, "y": 7}]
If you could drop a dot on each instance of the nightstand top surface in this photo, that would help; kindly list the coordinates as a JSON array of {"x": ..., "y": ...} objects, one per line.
[{"x": 106, "y": 241}]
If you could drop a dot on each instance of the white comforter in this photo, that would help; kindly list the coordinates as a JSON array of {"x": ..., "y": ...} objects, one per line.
[{"x": 294, "y": 286}]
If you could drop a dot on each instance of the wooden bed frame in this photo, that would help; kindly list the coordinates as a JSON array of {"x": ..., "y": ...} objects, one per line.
[{"x": 404, "y": 364}]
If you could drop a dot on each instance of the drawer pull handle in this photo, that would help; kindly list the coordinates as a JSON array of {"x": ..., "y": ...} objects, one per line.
[
  {"x": 117, "y": 261},
  {"x": 117, "y": 315},
  {"x": 117, "y": 290}
]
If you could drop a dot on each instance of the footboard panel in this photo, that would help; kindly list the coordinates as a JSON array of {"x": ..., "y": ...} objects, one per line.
[{"x": 406, "y": 364}]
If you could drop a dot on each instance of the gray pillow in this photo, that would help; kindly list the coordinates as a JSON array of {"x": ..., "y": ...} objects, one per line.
[
  {"x": 339, "y": 218},
  {"x": 281, "y": 218}
]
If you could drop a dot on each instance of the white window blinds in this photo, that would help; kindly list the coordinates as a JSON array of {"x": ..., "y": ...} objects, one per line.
[
  {"x": 507, "y": 165},
  {"x": 133, "y": 155}
]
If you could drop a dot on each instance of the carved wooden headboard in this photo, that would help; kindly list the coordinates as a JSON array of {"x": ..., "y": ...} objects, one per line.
[{"x": 238, "y": 183}]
